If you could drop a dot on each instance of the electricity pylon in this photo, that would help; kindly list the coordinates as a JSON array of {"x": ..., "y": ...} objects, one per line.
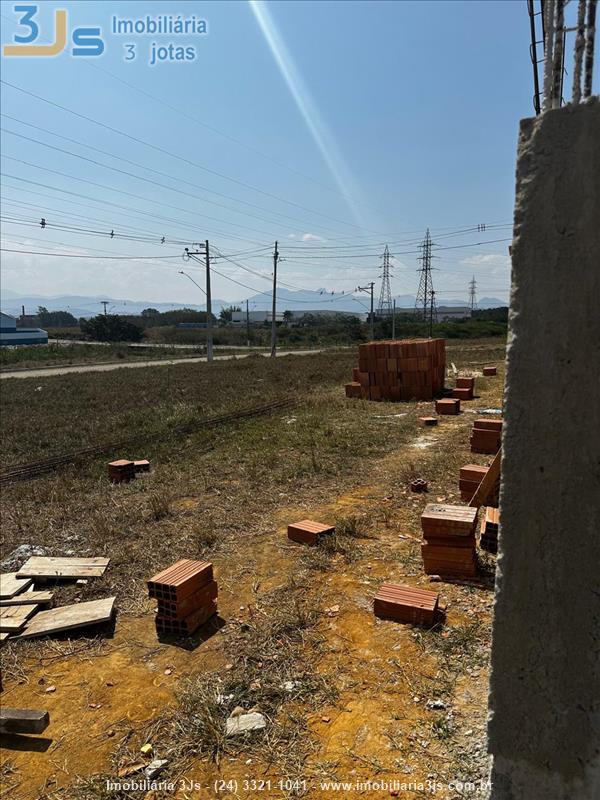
[{"x": 385, "y": 296}]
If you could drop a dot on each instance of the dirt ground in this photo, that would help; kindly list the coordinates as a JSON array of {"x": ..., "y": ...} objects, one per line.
[{"x": 392, "y": 710}]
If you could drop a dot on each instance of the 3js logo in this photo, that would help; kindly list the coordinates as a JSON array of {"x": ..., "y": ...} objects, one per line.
[{"x": 86, "y": 41}]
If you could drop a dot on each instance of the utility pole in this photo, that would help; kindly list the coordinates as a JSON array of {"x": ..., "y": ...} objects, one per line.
[
  {"x": 385, "y": 296},
  {"x": 274, "y": 307},
  {"x": 425, "y": 282},
  {"x": 394, "y": 318},
  {"x": 473, "y": 294},
  {"x": 104, "y": 303},
  {"x": 369, "y": 288},
  {"x": 247, "y": 325},
  {"x": 209, "y": 327}
]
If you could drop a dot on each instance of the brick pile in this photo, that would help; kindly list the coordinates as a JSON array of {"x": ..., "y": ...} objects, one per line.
[
  {"x": 464, "y": 389},
  {"x": 186, "y": 594},
  {"x": 449, "y": 547},
  {"x": 409, "y": 369},
  {"x": 486, "y": 436},
  {"x": 406, "y": 604},
  {"x": 121, "y": 471},
  {"x": 308, "y": 532},
  {"x": 447, "y": 405},
  {"x": 489, "y": 530},
  {"x": 490, "y": 371},
  {"x": 124, "y": 470},
  {"x": 470, "y": 477}
]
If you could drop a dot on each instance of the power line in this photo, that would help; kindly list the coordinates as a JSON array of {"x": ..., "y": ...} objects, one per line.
[
  {"x": 205, "y": 125},
  {"x": 149, "y": 169},
  {"x": 178, "y": 157},
  {"x": 125, "y": 208}
]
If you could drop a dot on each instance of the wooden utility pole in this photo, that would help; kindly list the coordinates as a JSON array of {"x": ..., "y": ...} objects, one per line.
[
  {"x": 247, "y": 325},
  {"x": 209, "y": 327},
  {"x": 274, "y": 307}
]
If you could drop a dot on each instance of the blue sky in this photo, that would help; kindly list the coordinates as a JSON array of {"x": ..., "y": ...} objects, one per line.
[{"x": 395, "y": 116}]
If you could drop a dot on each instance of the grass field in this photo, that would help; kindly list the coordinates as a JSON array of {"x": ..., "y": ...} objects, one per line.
[
  {"x": 368, "y": 698},
  {"x": 75, "y": 354}
]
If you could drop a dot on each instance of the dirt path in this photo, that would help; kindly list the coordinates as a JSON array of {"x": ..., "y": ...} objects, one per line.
[{"x": 44, "y": 372}]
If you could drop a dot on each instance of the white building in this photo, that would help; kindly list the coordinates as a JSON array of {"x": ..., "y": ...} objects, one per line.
[
  {"x": 453, "y": 312},
  {"x": 11, "y": 335},
  {"x": 255, "y": 317}
]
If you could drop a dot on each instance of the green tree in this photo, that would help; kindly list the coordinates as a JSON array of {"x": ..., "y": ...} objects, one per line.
[
  {"x": 287, "y": 316},
  {"x": 226, "y": 313},
  {"x": 55, "y": 319},
  {"x": 111, "y": 328}
]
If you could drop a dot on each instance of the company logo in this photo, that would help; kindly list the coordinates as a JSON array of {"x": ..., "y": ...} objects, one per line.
[{"x": 85, "y": 41}]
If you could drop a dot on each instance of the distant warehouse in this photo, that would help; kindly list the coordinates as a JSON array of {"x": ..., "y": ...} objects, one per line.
[{"x": 10, "y": 334}]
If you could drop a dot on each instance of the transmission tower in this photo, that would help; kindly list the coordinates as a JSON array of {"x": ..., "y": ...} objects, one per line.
[
  {"x": 473, "y": 293},
  {"x": 385, "y": 296},
  {"x": 423, "y": 309}
]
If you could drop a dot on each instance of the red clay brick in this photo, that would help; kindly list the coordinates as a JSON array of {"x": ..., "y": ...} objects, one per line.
[
  {"x": 462, "y": 394},
  {"x": 447, "y": 406},
  {"x": 171, "y": 609},
  {"x": 308, "y": 532},
  {"x": 180, "y": 580},
  {"x": 406, "y": 604},
  {"x": 121, "y": 470}
]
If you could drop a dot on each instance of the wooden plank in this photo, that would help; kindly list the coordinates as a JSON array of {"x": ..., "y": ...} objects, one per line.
[
  {"x": 3, "y": 636},
  {"x": 13, "y": 618},
  {"x": 66, "y": 618},
  {"x": 23, "y": 720},
  {"x": 51, "y": 567},
  {"x": 488, "y": 482},
  {"x": 41, "y": 598},
  {"x": 10, "y": 585}
]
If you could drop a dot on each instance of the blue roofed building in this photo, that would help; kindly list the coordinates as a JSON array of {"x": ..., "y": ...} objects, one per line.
[{"x": 11, "y": 335}]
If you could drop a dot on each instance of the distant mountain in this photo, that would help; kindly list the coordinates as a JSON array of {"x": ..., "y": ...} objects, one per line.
[{"x": 86, "y": 306}]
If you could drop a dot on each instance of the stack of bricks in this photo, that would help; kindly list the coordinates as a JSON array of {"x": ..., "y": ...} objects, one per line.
[
  {"x": 121, "y": 471},
  {"x": 489, "y": 371},
  {"x": 489, "y": 530},
  {"x": 465, "y": 387},
  {"x": 486, "y": 436},
  {"x": 410, "y": 369},
  {"x": 186, "y": 594},
  {"x": 469, "y": 479},
  {"x": 124, "y": 470},
  {"x": 406, "y": 604},
  {"x": 449, "y": 548},
  {"x": 308, "y": 532}
]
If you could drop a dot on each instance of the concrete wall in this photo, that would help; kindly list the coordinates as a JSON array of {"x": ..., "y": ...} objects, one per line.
[{"x": 544, "y": 728}]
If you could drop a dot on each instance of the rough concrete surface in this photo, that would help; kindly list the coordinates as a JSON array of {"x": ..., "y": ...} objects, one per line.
[{"x": 544, "y": 727}]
